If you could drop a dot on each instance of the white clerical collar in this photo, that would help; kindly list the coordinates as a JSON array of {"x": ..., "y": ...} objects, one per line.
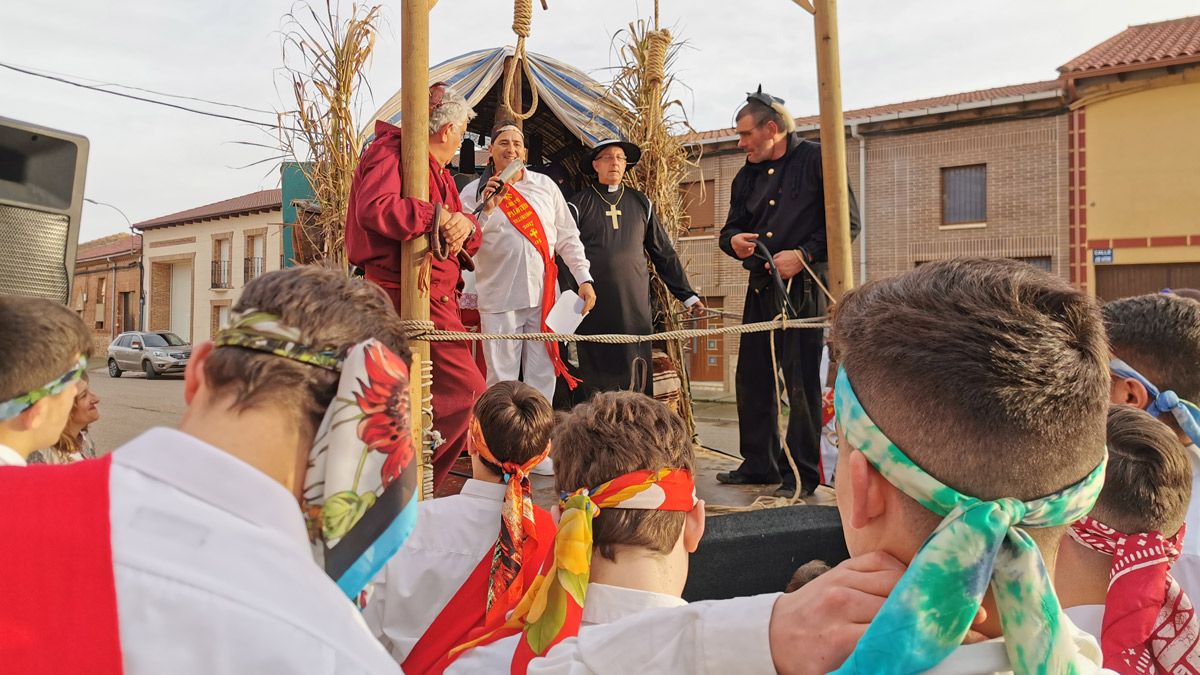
[
  {"x": 606, "y": 604},
  {"x": 484, "y": 490},
  {"x": 10, "y": 457},
  {"x": 216, "y": 478},
  {"x": 613, "y": 188}
]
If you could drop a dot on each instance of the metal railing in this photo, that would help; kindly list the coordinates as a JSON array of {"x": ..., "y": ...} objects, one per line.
[
  {"x": 252, "y": 269},
  {"x": 220, "y": 274}
]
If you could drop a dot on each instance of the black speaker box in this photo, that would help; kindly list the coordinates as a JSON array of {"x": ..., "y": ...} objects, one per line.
[
  {"x": 41, "y": 197},
  {"x": 758, "y": 551}
]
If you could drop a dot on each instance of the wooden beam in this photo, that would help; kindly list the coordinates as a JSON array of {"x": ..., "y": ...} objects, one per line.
[
  {"x": 808, "y": 7},
  {"x": 833, "y": 149},
  {"x": 414, "y": 168}
]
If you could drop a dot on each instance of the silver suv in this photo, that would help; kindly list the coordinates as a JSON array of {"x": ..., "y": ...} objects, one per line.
[{"x": 153, "y": 353}]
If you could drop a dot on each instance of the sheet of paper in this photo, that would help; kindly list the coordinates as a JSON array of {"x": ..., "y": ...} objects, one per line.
[{"x": 566, "y": 314}]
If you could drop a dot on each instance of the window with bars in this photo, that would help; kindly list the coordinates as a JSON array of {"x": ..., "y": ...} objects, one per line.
[{"x": 964, "y": 194}]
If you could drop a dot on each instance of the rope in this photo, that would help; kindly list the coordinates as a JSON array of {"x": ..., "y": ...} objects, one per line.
[
  {"x": 423, "y": 330},
  {"x": 522, "y": 22},
  {"x": 428, "y": 440},
  {"x": 659, "y": 41}
]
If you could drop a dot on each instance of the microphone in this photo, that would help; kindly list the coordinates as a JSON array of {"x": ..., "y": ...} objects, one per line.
[{"x": 514, "y": 167}]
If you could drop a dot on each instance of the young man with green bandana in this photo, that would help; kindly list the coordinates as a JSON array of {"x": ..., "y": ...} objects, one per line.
[
  {"x": 971, "y": 405},
  {"x": 43, "y": 355}
]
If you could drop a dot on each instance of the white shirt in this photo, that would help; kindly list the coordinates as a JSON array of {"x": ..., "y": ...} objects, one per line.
[
  {"x": 214, "y": 572},
  {"x": 451, "y": 536},
  {"x": 605, "y": 604},
  {"x": 10, "y": 457},
  {"x": 1186, "y": 570},
  {"x": 991, "y": 658},
  {"x": 508, "y": 270},
  {"x": 1087, "y": 618}
]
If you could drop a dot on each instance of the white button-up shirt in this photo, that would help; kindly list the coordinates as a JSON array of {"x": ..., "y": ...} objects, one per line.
[
  {"x": 451, "y": 536},
  {"x": 990, "y": 657},
  {"x": 10, "y": 457},
  {"x": 508, "y": 270},
  {"x": 214, "y": 572},
  {"x": 605, "y": 604}
]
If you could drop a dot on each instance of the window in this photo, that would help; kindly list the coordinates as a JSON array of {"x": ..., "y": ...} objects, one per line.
[
  {"x": 964, "y": 194},
  {"x": 101, "y": 290},
  {"x": 163, "y": 339},
  {"x": 222, "y": 249},
  {"x": 253, "y": 266},
  {"x": 698, "y": 201},
  {"x": 1040, "y": 262}
]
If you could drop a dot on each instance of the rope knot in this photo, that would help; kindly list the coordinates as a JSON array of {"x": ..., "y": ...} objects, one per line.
[{"x": 1166, "y": 401}]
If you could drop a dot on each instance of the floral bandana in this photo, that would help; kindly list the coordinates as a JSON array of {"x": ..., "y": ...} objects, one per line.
[
  {"x": 1150, "y": 624},
  {"x": 360, "y": 489},
  {"x": 930, "y": 610},
  {"x": 552, "y": 608},
  {"x": 15, "y": 406},
  {"x": 1167, "y": 402},
  {"x": 516, "y": 524}
]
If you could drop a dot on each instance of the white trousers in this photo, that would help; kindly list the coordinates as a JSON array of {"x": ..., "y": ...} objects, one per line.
[{"x": 509, "y": 359}]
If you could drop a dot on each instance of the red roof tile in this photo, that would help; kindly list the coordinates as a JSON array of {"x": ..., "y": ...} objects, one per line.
[
  {"x": 965, "y": 98},
  {"x": 114, "y": 244},
  {"x": 1147, "y": 45},
  {"x": 263, "y": 200}
]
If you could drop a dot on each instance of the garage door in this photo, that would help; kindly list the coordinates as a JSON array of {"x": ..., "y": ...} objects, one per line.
[{"x": 1122, "y": 281}]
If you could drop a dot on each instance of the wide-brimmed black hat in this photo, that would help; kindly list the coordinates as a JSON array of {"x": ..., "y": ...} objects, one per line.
[{"x": 632, "y": 152}]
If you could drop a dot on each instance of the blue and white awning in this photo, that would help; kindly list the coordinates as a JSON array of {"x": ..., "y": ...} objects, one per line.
[{"x": 578, "y": 101}]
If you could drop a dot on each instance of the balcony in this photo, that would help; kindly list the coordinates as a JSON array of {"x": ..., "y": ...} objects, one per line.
[
  {"x": 220, "y": 274},
  {"x": 252, "y": 269}
]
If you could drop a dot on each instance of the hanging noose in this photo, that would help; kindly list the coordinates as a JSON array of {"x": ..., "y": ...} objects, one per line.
[{"x": 522, "y": 20}]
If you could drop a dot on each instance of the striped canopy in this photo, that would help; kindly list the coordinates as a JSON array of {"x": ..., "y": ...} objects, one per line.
[{"x": 576, "y": 100}]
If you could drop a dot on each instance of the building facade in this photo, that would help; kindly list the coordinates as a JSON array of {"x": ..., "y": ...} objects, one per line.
[
  {"x": 197, "y": 261},
  {"x": 107, "y": 290}
]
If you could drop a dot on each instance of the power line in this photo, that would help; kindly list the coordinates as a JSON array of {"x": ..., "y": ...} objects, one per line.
[
  {"x": 146, "y": 100},
  {"x": 102, "y": 83}
]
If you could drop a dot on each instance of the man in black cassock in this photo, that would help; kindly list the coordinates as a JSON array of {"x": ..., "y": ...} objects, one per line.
[
  {"x": 620, "y": 230},
  {"x": 778, "y": 198}
]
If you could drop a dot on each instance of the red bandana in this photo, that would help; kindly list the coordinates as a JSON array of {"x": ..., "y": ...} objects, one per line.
[
  {"x": 552, "y": 608},
  {"x": 1149, "y": 623}
]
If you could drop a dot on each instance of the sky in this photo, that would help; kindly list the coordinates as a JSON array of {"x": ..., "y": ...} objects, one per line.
[{"x": 149, "y": 161}]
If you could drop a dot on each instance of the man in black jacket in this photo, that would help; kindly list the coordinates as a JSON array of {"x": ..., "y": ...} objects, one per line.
[{"x": 778, "y": 199}]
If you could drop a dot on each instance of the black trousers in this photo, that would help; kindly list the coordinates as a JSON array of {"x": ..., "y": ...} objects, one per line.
[{"x": 798, "y": 354}]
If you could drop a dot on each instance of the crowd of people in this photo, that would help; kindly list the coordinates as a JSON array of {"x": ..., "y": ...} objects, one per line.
[{"x": 1015, "y": 470}]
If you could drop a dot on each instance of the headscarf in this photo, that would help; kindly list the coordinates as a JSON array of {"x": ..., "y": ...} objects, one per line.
[
  {"x": 930, "y": 610},
  {"x": 19, "y": 404},
  {"x": 1185, "y": 412},
  {"x": 360, "y": 489},
  {"x": 552, "y": 608},
  {"x": 1149, "y": 622},
  {"x": 505, "y": 587}
]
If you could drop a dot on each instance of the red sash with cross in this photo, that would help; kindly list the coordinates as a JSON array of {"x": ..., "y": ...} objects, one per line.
[{"x": 520, "y": 213}]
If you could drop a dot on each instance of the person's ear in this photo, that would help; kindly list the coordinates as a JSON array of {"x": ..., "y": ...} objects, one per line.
[
  {"x": 868, "y": 489},
  {"x": 1138, "y": 395},
  {"x": 34, "y": 416},
  {"x": 693, "y": 527},
  {"x": 194, "y": 377}
]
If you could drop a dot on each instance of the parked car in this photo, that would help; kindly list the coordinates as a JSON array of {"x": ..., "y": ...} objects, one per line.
[{"x": 152, "y": 352}]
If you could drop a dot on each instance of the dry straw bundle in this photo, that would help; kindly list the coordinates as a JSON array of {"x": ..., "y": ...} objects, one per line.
[{"x": 324, "y": 57}]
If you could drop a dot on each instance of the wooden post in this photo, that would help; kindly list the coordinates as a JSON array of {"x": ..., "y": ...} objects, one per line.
[
  {"x": 414, "y": 167},
  {"x": 833, "y": 148}
]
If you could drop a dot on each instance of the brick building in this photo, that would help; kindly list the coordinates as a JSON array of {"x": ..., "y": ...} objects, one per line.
[
  {"x": 978, "y": 173},
  {"x": 107, "y": 289},
  {"x": 197, "y": 261}
]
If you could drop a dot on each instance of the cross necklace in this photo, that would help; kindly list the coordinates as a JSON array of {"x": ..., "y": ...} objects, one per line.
[{"x": 612, "y": 211}]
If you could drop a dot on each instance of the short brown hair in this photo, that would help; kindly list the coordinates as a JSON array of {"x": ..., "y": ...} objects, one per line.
[
  {"x": 40, "y": 341},
  {"x": 516, "y": 421},
  {"x": 1159, "y": 335},
  {"x": 613, "y": 434},
  {"x": 990, "y": 374},
  {"x": 327, "y": 308},
  {"x": 1148, "y": 481}
]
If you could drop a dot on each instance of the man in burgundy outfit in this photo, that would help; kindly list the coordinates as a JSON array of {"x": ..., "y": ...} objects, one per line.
[{"x": 379, "y": 218}]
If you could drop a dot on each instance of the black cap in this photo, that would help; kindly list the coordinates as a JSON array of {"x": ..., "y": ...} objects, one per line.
[{"x": 632, "y": 152}]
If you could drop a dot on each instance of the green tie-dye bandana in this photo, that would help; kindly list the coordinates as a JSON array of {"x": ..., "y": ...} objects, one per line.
[{"x": 928, "y": 613}]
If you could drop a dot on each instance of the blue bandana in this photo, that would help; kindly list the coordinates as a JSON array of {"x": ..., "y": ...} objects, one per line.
[{"x": 1167, "y": 402}]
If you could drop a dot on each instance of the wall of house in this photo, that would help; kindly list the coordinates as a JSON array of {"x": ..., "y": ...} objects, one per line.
[
  {"x": 102, "y": 313},
  {"x": 1139, "y": 155},
  {"x": 194, "y": 244}
]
